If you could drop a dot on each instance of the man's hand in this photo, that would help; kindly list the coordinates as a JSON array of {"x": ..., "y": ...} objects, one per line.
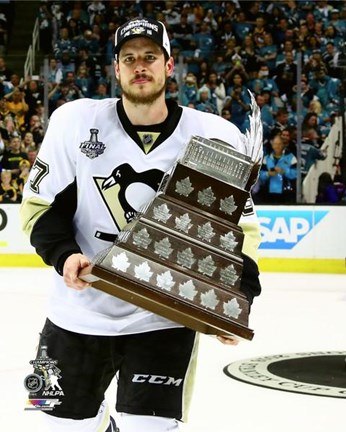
[
  {"x": 72, "y": 267},
  {"x": 228, "y": 339}
]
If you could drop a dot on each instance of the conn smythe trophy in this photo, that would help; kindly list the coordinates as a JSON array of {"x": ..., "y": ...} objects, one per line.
[{"x": 181, "y": 257}]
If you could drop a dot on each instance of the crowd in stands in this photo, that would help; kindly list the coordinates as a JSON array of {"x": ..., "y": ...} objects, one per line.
[{"x": 222, "y": 48}]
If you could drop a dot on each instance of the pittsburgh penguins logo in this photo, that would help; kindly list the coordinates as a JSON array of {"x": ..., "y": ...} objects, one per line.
[
  {"x": 137, "y": 30},
  {"x": 123, "y": 189}
]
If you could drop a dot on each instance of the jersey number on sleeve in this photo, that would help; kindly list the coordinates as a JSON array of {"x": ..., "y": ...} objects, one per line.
[{"x": 42, "y": 170}]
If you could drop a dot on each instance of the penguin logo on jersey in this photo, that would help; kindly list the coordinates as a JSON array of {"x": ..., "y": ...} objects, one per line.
[
  {"x": 92, "y": 148},
  {"x": 125, "y": 191}
]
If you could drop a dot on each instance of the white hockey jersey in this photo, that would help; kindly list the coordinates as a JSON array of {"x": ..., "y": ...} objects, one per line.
[{"x": 89, "y": 179}]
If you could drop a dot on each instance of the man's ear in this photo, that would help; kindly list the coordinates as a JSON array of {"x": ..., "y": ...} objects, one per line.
[
  {"x": 169, "y": 67},
  {"x": 116, "y": 69}
]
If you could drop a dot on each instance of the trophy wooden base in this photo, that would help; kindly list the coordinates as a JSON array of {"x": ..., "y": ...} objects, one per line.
[{"x": 162, "y": 304}]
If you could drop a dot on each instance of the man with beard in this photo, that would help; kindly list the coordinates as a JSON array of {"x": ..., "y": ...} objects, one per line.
[{"x": 99, "y": 163}]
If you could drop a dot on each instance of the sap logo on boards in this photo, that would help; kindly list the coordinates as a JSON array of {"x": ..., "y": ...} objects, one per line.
[{"x": 284, "y": 229}]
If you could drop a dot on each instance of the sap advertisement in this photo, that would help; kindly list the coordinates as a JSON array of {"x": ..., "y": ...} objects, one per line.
[
  {"x": 303, "y": 231},
  {"x": 287, "y": 232}
]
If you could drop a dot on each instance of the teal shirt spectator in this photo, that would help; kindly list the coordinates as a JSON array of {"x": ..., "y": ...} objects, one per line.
[{"x": 276, "y": 183}]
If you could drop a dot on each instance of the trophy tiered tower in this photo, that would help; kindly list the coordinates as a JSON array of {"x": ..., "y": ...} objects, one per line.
[{"x": 181, "y": 257}]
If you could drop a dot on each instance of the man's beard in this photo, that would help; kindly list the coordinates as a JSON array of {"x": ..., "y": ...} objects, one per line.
[{"x": 139, "y": 99}]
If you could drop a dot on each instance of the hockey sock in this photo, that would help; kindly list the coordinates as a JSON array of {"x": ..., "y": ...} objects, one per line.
[{"x": 142, "y": 423}]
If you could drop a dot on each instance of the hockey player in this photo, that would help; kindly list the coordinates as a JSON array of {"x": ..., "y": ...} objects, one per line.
[{"x": 100, "y": 161}]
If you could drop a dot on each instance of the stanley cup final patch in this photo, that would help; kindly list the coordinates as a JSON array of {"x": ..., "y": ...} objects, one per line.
[{"x": 92, "y": 148}]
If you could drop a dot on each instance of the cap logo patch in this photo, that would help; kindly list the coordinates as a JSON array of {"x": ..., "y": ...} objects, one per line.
[
  {"x": 137, "y": 30},
  {"x": 139, "y": 23}
]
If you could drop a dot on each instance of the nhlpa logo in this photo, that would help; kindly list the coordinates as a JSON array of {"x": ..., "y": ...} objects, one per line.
[
  {"x": 285, "y": 229},
  {"x": 92, "y": 148}
]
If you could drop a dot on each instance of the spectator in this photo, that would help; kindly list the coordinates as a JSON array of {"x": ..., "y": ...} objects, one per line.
[
  {"x": 306, "y": 95},
  {"x": 286, "y": 47},
  {"x": 182, "y": 32},
  {"x": 279, "y": 31},
  {"x": 172, "y": 89},
  {"x": 75, "y": 29},
  {"x": 278, "y": 174},
  {"x": 33, "y": 93},
  {"x": 310, "y": 121},
  {"x": 95, "y": 8},
  {"x": 10, "y": 85},
  {"x": 226, "y": 114},
  {"x": 267, "y": 117},
  {"x": 27, "y": 141},
  {"x": 8, "y": 193},
  {"x": 310, "y": 152},
  {"x": 189, "y": 90},
  {"x": 338, "y": 24},
  {"x": 204, "y": 40},
  {"x": 242, "y": 28},
  {"x": 225, "y": 34},
  {"x": 258, "y": 31},
  {"x": 204, "y": 101},
  {"x": 3, "y": 34},
  {"x": 238, "y": 102},
  {"x": 84, "y": 81},
  {"x": 267, "y": 53},
  {"x": 7, "y": 120},
  {"x": 34, "y": 127},
  {"x": 217, "y": 89},
  {"x": 281, "y": 122},
  {"x": 45, "y": 22},
  {"x": 192, "y": 57},
  {"x": 55, "y": 74},
  {"x": 286, "y": 76},
  {"x": 67, "y": 63},
  {"x": 203, "y": 74},
  {"x": 326, "y": 89},
  {"x": 330, "y": 58},
  {"x": 65, "y": 92},
  {"x": 331, "y": 35},
  {"x": 220, "y": 66},
  {"x": 79, "y": 14},
  {"x": 57, "y": 22},
  {"x": 74, "y": 89},
  {"x": 326, "y": 190},
  {"x": 263, "y": 80},
  {"x": 249, "y": 58},
  {"x": 322, "y": 10},
  {"x": 209, "y": 18},
  {"x": 32, "y": 154},
  {"x": 24, "y": 166},
  {"x": 288, "y": 140},
  {"x": 16, "y": 103},
  {"x": 64, "y": 44},
  {"x": 101, "y": 91},
  {"x": 13, "y": 156},
  {"x": 5, "y": 73},
  {"x": 88, "y": 41}
]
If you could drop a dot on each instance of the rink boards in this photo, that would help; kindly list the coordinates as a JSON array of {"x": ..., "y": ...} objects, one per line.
[{"x": 294, "y": 239}]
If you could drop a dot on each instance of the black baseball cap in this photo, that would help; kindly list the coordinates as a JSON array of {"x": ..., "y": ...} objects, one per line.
[{"x": 142, "y": 27}]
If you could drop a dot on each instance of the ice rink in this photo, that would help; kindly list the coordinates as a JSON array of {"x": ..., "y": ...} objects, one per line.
[{"x": 295, "y": 313}]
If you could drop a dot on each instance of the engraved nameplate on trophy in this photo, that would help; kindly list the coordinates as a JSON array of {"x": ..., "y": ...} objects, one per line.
[{"x": 218, "y": 160}]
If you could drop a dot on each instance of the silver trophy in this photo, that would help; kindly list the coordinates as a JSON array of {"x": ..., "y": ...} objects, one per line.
[{"x": 181, "y": 256}]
